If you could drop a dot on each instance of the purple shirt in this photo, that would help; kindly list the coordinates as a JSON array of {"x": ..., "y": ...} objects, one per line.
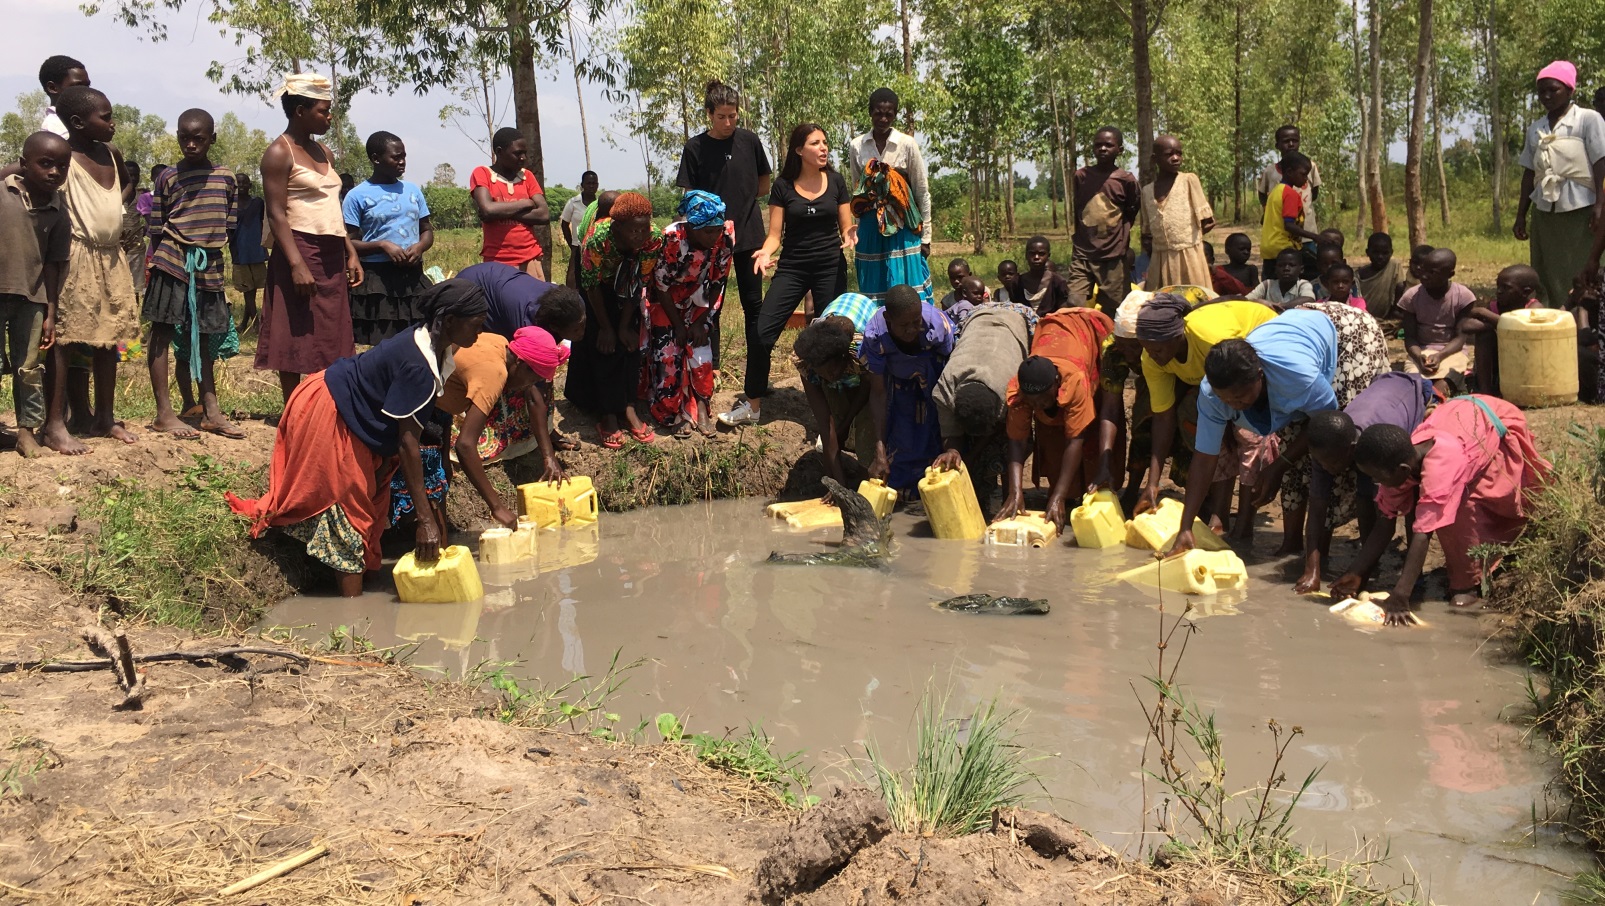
[
  {"x": 1394, "y": 398},
  {"x": 882, "y": 355}
]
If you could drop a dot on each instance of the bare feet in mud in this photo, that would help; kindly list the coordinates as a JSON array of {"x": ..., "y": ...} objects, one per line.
[
  {"x": 116, "y": 431},
  {"x": 58, "y": 438},
  {"x": 27, "y": 446}
]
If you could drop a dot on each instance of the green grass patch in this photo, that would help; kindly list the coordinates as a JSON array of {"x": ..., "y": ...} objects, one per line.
[
  {"x": 964, "y": 769},
  {"x": 751, "y": 756},
  {"x": 169, "y": 555},
  {"x": 664, "y": 474}
]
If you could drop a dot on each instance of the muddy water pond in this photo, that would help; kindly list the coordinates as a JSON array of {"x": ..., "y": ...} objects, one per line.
[{"x": 1416, "y": 731}]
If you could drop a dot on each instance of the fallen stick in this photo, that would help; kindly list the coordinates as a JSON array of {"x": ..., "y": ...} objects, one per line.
[
  {"x": 158, "y": 657},
  {"x": 275, "y": 870}
]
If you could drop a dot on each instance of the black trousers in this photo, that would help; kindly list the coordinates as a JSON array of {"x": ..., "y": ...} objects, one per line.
[
  {"x": 766, "y": 321},
  {"x": 749, "y": 287}
]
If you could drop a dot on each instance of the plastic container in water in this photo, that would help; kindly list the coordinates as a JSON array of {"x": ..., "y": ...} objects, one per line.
[
  {"x": 496, "y": 546},
  {"x": 564, "y": 550},
  {"x": 450, "y": 579},
  {"x": 1156, "y": 530},
  {"x": 950, "y": 503},
  {"x": 1197, "y": 572},
  {"x": 816, "y": 514},
  {"x": 526, "y": 538},
  {"x": 1099, "y": 521},
  {"x": 1029, "y": 529},
  {"x": 559, "y": 504},
  {"x": 881, "y": 498},
  {"x": 1538, "y": 357}
]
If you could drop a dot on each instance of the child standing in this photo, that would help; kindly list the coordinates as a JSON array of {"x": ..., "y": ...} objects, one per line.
[
  {"x": 957, "y": 270},
  {"x": 1381, "y": 280},
  {"x": 510, "y": 202},
  {"x": 192, "y": 214},
  {"x": 1107, "y": 198},
  {"x": 245, "y": 250},
  {"x": 1288, "y": 140},
  {"x": 1432, "y": 313},
  {"x": 1040, "y": 286},
  {"x": 97, "y": 306},
  {"x": 1238, "y": 249},
  {"x": 388, "y": 222},
  {"x": 35, "y": 231},
  {"x": 1287, "y": 212},
  {"x": 57, "y": 74},
  {"x": 1288, "y": 285},
  {"x": 1175, "y": 216}
]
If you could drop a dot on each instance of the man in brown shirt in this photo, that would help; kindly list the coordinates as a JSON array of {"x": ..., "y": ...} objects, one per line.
[
  {"x": 1107, "y": 199},
  {"x": 35, "y": 241}
]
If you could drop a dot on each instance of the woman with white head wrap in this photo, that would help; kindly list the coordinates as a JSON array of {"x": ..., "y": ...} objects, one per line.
[{"x": 306, "y": 310}]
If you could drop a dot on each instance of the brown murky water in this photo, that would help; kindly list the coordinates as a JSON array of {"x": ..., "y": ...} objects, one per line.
[{"x": 1406, "y": 725}]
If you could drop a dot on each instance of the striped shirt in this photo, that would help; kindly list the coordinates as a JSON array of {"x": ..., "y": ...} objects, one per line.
[{"x": 192, "y": 207}]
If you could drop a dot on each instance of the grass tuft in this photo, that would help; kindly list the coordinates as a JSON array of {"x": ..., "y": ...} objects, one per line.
[
  {"x": 963, "y": 770},
  {"x": 750, "y": 756},
  {"x": 579, "y": 704}
]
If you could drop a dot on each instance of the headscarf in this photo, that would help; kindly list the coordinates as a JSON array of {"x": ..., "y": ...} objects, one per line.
[
  {"x": 1562, "y": 72},
  {"x": 701, "y": 209},
  {"x": 452, "y": 298},
  {"x": 306, "y": 85},
  {"x": 538, "y": 349},
  {"x": 1163, "y": 318},
  {"x": 1126, "y": 314},
  {"x": 885, "y": 193},
  {"x": 1037, "y": 374}
]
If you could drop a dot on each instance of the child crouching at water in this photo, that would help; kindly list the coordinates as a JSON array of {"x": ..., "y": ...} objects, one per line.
[{"x": 905, "y": 347}]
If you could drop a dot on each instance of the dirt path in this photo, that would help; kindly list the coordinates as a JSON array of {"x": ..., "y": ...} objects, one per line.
[{"x": 419, "y": 800}]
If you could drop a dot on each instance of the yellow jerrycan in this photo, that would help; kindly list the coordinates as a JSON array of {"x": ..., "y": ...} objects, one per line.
[
  {"x": 1197, "y": 572},
  {"x": 1099, "y": 521},
  {"x": 559, "y": 505},
  {"x": 950, "y": 504},
  {"x": 1538, "y": 357},
  {"x": 451, "y": 579}
]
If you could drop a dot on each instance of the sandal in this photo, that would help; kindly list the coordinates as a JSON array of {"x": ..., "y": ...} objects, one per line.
[
  {"x": 232, "y": 432},
  {"x": 614, "y": 441},
  {"x": 645, "y": 435},
  {"x": 562, "y": 443},
  {"x": 682, "y": 431}
]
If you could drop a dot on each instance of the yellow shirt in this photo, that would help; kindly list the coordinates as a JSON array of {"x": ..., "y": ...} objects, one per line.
[
  {"x": 1283, "y": 202},
  {"x": 1206, "y": 326}
]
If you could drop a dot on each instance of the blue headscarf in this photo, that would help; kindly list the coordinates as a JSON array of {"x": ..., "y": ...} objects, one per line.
[{"x": 702, "y": 209}]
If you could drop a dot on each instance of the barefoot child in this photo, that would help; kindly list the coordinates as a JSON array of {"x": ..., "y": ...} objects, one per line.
[
  {"x": 388, "y": 222},
  {"x": 98, "y": 307},
  {"x": 1175, "y": 216},
  {"x": 1466, "y": 472},
  {"x": 38, "y": 238},
  {"x": 1040, "y": 286},
  {"x": 192, "y": 214},
  {"x": 510, "y": 201},
  {"x": 1432, "y": 312},
  {"x": 245, "y": 250}
]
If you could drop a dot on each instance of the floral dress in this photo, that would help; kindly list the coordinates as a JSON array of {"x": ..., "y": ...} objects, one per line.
[
  {"x": 606, "y": 383},
  {"x": 677, "y": 378}
]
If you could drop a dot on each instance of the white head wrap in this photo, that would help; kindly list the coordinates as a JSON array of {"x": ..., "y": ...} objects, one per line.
[
  {"x": 1126, "y": 314},
  {"x": 307, "y": 85}
]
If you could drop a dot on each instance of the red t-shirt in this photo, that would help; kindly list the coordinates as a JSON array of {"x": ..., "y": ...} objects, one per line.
[{"x": 507, "y": 241}]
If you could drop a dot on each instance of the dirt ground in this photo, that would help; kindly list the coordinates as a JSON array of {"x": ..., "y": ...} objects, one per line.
[{"x": 233, "y": 766}]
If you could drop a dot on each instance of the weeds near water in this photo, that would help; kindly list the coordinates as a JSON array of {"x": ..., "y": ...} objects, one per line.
[
  {"x": 579, "y": 704},
  {"x": 671, "y": 475},
  {"x": 750, "y": 756},
  {"x": 165, "y": 555},
  {"x": 26, "y": 757},
  {"x": 963, "y": 770}
]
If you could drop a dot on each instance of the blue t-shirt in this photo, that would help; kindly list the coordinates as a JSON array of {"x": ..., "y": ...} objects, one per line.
[
  {"x": 247, "y": 245},
  {"x": 375, "y": 391},
  {"x": 1298, "y": 352},
  {"x": 385, "y": 212},
  {"x": 513, "y": 296}
]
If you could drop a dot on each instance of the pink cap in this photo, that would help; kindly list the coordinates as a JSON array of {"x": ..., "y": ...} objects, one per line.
[
  {"x": 539, "y": 350},
  {"x": 1562, "y": 72}
]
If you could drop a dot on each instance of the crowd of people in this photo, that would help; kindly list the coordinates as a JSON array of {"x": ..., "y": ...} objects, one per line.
[{"x": 1243, "y": 381}]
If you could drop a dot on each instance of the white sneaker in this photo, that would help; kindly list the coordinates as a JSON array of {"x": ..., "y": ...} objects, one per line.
[
  {"x": 740, "y": 416},
  {"x": 819, "y": 444}
]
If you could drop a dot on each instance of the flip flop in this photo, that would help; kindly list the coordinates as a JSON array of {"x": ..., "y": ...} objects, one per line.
[
  {"x": 645, "y": 435},
  {"x": 236, "y": 434},
  {"x": 195, "y": 411},
  {"x": 614, "y": 441},
  {"x": 682, "y": 431}
]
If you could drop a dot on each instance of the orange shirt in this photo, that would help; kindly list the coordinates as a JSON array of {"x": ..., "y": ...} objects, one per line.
[{"x": 1071, "y": 338}]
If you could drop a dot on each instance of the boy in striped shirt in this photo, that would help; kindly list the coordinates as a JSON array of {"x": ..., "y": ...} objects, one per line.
[{"x": 192, "y": 217}]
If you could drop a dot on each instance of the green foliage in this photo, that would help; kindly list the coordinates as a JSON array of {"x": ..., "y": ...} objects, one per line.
[
  {"x": 578, "y": 704},
  {"x": 451, "y": 208},
  {"x": 963, "y": 770},
  {"x": 15, "y": 127},
  {"x": 750, "y": 756},
  {"x": 165, "y": 554},
  {"x": 25, "y": 757}
]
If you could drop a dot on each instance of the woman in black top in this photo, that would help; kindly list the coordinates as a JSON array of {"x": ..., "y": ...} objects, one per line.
[
  {"x": 731, "y": 163},
  {"x": 809, "y": 205}
]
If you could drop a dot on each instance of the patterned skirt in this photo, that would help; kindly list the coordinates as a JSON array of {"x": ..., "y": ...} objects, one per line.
[{"x": 883, "y": 262}]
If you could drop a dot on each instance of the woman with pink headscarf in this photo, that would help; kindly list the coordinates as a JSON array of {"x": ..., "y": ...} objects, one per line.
[
  {"x": 1561, "y": 186},
  {"x": 482, "y": 373}
]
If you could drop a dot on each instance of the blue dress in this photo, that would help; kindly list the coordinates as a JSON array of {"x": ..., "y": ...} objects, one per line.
[{"x": 913, "y": 434}]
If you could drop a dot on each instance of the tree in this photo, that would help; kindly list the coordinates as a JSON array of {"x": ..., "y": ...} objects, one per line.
[
  {"x": 239, "y": 147},
  {"x": 15, "y": 127},
  {"x": 445, "y": 176},
  {"x": 143, "y": 137},
  {"x": 670, "y": 50},
  {"x": 1414, "y": 198},
  {"x": 1374, "y": 143}
]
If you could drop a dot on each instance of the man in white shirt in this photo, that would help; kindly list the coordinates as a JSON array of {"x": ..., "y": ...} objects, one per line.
[
  {"x": 573, "y": 213},
  {"x": 1564, "y": 169},
  {"x": 1287, "y": 139}
]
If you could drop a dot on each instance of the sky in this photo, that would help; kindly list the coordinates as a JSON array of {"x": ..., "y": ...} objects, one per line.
[{"x": 168, "y": 77}]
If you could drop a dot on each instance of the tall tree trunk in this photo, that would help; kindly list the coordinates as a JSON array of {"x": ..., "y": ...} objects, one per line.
[
  {"x": 579, "y": 93},
  {"x": 908, "y": 60},
  {"x": 1008, "y": 192},
  {"x": 1237, "y": 116},
  {"x": 1054, "y": 182},
  {"x": 1379, "y": 203},
  {"x": 527, "y": 104},
  {"x": 975, "y": 212},
  {"x": 1142, "y": 75},
  {"x": 1437, "y": 147},
  {"x": 1496, "y": 126},
  {"x": 1362, "y": 157},
  {"x": 1067, "y": 168},
  {"x": 1415, "y": 205}
]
